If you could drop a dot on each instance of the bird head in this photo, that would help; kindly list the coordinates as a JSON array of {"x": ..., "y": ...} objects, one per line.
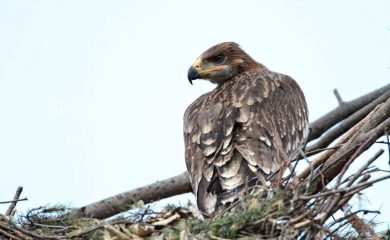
[{"x": 221, "y": 63}]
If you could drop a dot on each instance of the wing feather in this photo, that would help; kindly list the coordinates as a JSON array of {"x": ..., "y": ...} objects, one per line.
[{"x": 240, "y": 127}]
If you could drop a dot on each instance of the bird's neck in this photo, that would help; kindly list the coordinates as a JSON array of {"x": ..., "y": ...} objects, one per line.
[{"x": 249, "y": 69}]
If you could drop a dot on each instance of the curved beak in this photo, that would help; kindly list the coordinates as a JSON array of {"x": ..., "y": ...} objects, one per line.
[
  {"x": 200, "y": 70},
  {"x": 193, "y": 74},
  {"x": 194, "y": 71}
]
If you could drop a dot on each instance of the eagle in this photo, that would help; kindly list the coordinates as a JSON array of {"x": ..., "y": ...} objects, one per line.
[{"x": 242, "y": 131}]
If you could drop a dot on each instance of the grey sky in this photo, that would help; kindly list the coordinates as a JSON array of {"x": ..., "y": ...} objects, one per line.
[{"x": 92, "y": 93}]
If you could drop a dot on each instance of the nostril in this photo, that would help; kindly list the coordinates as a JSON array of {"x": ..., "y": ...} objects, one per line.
[{"x": 197, "y": 66}]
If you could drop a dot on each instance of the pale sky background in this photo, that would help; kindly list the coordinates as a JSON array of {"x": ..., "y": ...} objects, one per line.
[{"x": 92, "y": 93}]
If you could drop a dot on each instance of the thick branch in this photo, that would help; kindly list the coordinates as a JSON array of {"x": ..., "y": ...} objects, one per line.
[
  {"x": 318, "y": 127},
  {"x": 372, "y": 129},
  {"x": 116, "y": 204},
  {"x": 346, "y": 124}
]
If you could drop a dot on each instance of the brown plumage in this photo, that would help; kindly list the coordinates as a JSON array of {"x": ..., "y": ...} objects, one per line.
[{"x": 252, "y": 121}]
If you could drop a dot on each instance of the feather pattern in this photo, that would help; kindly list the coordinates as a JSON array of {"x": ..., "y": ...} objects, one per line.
[{"x": 234, "y": 129}]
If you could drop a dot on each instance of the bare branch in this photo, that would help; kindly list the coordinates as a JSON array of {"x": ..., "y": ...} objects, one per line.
[
  {"x": 14, "y": 201},
  {"x": 338, "y": 96},
  {"x": 365, "y": 166},
  {"x": 116, "y": 204},
  {"x": 372, "y": 127},
  {"x": 340, "y": 129},
  {"x": 318, "y": 127},
  {"x": 8, "y": 235},
  {"x": 30, "y": 233},
  {"x": 323, "y": 157}
]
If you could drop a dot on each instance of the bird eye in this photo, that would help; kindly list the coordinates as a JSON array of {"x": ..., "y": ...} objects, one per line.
[{"x": 219, "y": 58}]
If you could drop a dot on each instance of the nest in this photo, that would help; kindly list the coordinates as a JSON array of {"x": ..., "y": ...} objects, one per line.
[
  {"x": 292, "y": 206},
  {"x": 264, "y": 213},
  {"x": 305, "y": 199}
]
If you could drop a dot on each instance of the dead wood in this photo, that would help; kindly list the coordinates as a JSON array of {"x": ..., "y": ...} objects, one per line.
[
  {"x": 119, "y": 203},
  {"x": 10, "y": 211},
  {"x": 321, "y": 125},
  {"x": 345, "y": 125},
  {"x": 372, "y": 129}
]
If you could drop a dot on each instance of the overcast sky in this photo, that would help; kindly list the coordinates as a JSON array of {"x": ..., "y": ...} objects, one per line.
[{"x": 92, "y": 93}]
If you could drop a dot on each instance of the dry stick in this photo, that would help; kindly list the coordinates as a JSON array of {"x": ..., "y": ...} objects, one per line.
[
  {"x": 359, "y": 187},
  {"x": 347, "y": 137},
  {"x": 32, "y": 234},
  {"x": 379, "y": 122},
  {"x": 364, "y": 167},
  {"x": 352, "y": 120},
  {"x": 344, "y": 195},
  {"x": 311, "y": 153},
  {"x": 333, "y": 205},
  {"x": 384, "y": 126},
  {"x": 364, "y": 185},
  {"x": 19, "y": 200},
  {"x": 345, "y": 218},
  {"x": 9, "y": 229},
  {"x": 372, "y": 129},
  {"x": 323, "y": 157},
  {"x": 338, "y": 96},
  {"x": 292, "y": 174},
  {"x": 339, "y": 228},
  {"x": 323, "y": 194},
  {"x": 321, "y": 227},
  {"x": 351, "y": 193},
  {"x": 348, "y": 163},
  {"x": 318, "y": 127},
  {"x": 311, "y": 171},
  {"x": 364, "y": 211},
  {"x": 388, "y": 144},
  {"x": 88, "y": 231},
  {"x": 14, "y": 201},
  {"x": 113, "y": 205},
  {"x": 10, "y": 236}
]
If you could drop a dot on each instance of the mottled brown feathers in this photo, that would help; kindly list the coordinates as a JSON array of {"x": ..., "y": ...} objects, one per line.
[
  {"x": 233, "y": 52},
  {"x": 247, "y": 125}
]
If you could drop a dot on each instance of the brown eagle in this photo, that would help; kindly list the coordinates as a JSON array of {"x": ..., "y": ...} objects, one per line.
[{"x": 241, "y": 132}]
